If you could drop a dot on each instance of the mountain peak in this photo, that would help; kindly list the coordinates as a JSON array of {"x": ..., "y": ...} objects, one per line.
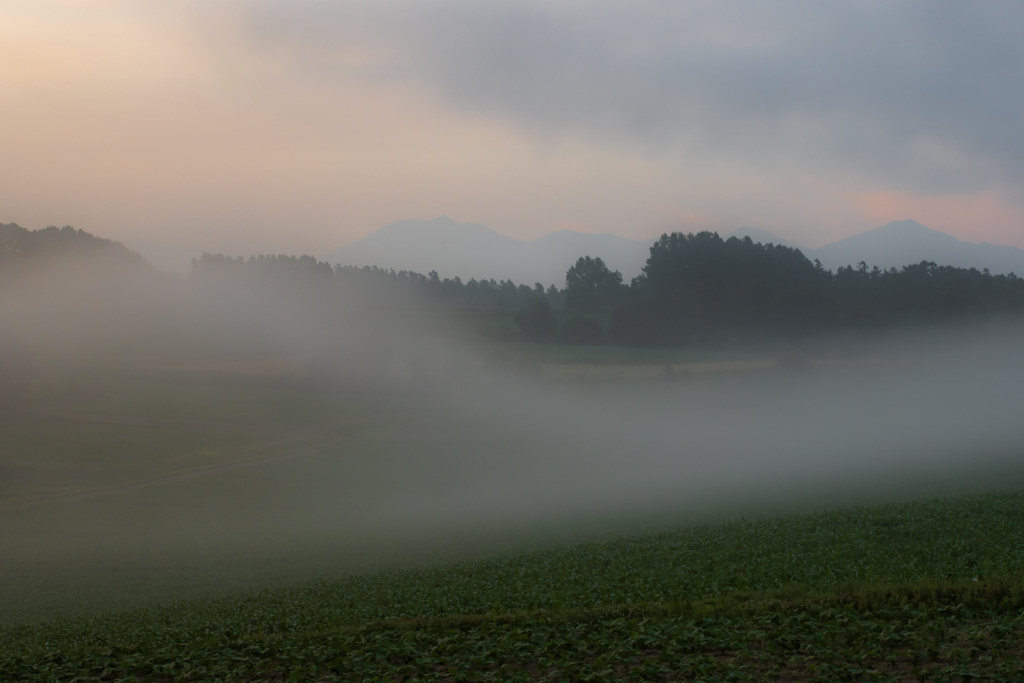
[
  {"x": 906, "y": 242},
  {"x": 909, "y": 227},
  {"x": 906, "y": 232},
  {"x": 905, "y": 224}
]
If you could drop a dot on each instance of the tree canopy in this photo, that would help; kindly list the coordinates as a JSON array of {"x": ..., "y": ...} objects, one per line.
[
  {"x": 701, "y": 289},
  {"x": 591, "y": 287}
]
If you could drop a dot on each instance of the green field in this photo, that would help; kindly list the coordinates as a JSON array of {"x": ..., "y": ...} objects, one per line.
[
  {"x": 916, "y": 591},
  {"x": 241, "y": 521}
]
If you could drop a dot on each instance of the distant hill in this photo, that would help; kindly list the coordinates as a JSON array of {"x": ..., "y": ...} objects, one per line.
[
  {"x": 20, "y": 245},
  {"x": 902, "y": 243},
  {"x": 67, "y": 295},
  {"x": 471, "y": 250},
  {"x": 906, "y": 242}
]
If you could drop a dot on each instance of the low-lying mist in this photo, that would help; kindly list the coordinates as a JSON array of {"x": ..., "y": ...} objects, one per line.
[
  {"x": 418, "y": 433},
  {"x": 915, "y": 404}
]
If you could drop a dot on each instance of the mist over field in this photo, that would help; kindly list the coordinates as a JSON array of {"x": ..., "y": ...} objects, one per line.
[
  {"x": 173, "y": 435},
  {"x": 628, "y": 341}
]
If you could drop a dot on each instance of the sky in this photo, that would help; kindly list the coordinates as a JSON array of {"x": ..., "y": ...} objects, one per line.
[{"x": 299, "y": 126}]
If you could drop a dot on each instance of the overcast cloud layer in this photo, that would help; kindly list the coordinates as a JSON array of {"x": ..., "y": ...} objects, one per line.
[
  {"x": 297, "y": 126},
  {"x": 913, "y": 96}
]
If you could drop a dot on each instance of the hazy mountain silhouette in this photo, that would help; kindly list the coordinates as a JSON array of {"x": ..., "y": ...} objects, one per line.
[
  {"x": 902, "y": 243},
  {"x": 906, "y": 242},
  {"x": 21, "y": 247},
  {"x": 471, "y": 250}
]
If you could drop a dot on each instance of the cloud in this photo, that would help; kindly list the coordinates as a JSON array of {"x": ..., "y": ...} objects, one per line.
[{"x": 908, "y": 96}]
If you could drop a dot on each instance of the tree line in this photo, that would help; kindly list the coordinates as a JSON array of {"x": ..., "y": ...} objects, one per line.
[
  {"x": 380, "y": 285},
  {"x": 694, "y": 289},
  {"x": 698, "y": 289}
]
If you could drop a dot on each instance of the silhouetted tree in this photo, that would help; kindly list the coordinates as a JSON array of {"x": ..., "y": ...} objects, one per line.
[
  {"x": 591, "y": 287},
  {"x": 555, "y": 297}
]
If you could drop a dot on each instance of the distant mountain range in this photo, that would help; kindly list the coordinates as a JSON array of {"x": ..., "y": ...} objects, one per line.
[{"x": 471, "y": 250}]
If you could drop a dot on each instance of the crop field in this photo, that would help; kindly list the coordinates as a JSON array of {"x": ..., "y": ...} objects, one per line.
[
  {"x": 83, "y": 435},
  {"x": 928, "y": 590},
  {"x": 241, "y": 522},
  {"x": 88, "y": 432}
]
